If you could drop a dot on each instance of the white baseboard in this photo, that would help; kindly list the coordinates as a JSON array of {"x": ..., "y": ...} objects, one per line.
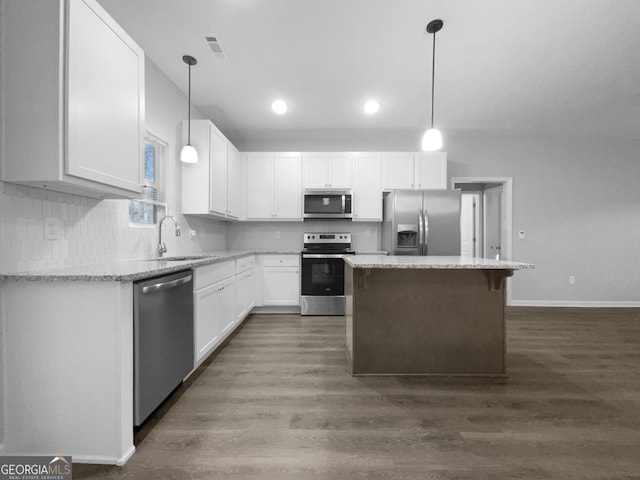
[{"x": 573, "y": 303}]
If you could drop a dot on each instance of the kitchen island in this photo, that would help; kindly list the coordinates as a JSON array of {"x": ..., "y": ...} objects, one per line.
[{"x": 426, "y": 315}]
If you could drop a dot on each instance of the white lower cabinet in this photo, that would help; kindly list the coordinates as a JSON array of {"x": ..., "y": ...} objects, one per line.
[
  {"x": 224, "y": 294},
  {"x": 245, "y": 294},
  {"x": 280, "y": 280},
  {"x": 214, "y": 306},
  {"x": 245, "y": 287}
]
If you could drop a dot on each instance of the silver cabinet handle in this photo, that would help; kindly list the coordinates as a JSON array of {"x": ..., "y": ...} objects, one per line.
[{"x": 166, "y": 285}]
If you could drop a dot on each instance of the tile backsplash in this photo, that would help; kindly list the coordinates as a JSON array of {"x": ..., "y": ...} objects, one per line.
[
  {"x": 97, "y": 231},
  {"x": 92, "y": 231},
  {"x": 288, "y": 235}
]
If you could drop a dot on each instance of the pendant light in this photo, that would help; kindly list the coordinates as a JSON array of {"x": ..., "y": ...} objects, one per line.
[
  {"x": 432, "y": 139},
  {"x": 188, "y": 153}
]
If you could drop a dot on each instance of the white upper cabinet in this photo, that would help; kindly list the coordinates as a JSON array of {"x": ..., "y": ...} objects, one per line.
[
  {"x": 414, "y": 171},
  {"x": 234, "y": 182},
  {"x": 274, "y": 186},
  {"x": 431, "y": 170},
  {"x": 79, "y": 91},
  {"x": 211, "y": 186},
  {"x": 367, "y": 194},
  {"x": 327, "y": 171}
]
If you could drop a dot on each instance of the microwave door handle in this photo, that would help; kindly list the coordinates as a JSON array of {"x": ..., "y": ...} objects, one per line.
[
  {"x": 426, "y": 232},
  {"x": 420, "y": 232}
]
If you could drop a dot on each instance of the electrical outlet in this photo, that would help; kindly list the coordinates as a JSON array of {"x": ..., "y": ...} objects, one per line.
[
  {"x": 53, "y": 228},
  {"x": 572, "y": 280}
]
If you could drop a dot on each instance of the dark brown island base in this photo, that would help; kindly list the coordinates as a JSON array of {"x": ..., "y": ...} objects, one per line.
[{"x": 426, "y": 315}]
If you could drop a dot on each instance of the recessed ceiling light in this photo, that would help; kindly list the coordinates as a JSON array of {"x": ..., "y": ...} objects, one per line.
[
  {"x": 279, "y": 106},
  {"x": 371, "y": 107}
]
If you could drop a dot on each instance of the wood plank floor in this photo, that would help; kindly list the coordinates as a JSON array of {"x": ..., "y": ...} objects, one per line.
[{"x": 278, "y": 403}]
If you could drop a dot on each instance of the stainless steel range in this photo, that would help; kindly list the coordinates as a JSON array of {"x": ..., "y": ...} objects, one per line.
[{"x": 322, "y": 279}]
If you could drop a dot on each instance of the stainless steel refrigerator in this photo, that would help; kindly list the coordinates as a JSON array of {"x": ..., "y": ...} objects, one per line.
[{"x": 422, "y": 222}]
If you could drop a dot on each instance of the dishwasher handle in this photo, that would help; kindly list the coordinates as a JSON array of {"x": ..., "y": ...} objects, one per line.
[{"x": 166, "y": 285}]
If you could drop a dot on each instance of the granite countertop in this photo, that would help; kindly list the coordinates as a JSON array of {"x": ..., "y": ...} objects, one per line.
[
  {"x": 131, "y": 270},
  {"x": 434, "y": 262},
  {"x": 372, "y": 252}
]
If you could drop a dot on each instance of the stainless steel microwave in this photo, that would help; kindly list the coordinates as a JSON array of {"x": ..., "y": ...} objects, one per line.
[{"x": 327, "y": 205}]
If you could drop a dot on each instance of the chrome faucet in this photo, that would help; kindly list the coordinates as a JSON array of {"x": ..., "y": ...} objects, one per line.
[{"x": 162, "y": 248}]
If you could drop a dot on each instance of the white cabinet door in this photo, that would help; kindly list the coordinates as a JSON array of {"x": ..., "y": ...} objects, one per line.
[
  {"x": 288, "y": 186},
  {"x": 234, "y": 185},
  {"x": 84, "y": 76},
  {"x": 368, "y": 187},
  {"x": 218, "y": 171},
  {"x": 431, "y": 170},
  {"x": 316, "y": 170},
  {"x": 398, "y": 171},
  {"x": 260, "y": 186},
  {"x": 245, "y": 294},
  {"x": 281, "y": 286},
  {"x": 207, "y": 327},
  {"x": 341, "y": 170},
  {"x": 211, "y": 186},
  {"x": 328, "y": 171},
  {"x": 214, "y": 313},
  {"x": 227, "y": 311},
  {"x": 106, "y": 147}
]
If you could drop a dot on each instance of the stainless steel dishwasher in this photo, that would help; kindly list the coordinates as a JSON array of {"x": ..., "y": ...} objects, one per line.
[{"x": 163, "y": 339}]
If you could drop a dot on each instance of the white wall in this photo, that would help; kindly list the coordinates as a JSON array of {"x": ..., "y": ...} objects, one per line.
[
  {"x": 577, "y": 201},
  {"x": 99, "y": 231}
]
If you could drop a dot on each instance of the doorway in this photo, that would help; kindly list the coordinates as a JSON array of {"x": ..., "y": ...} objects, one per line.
[{"x": 486, "y": 222}]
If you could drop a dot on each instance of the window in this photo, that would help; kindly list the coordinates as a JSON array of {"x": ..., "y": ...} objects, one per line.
[{"x": 145, "y": 210}]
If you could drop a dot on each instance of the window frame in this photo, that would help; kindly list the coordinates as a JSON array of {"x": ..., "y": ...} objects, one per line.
[{"x": 157, "y": 198}]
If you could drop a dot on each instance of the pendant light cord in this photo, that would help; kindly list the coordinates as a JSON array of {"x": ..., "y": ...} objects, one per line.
[
  {"x": 189, "y": 109},
  {"x": 433, "y": 75}
]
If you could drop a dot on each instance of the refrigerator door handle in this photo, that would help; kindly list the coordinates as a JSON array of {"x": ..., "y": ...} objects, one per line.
[
  {"x": 426, "y": 232},
  {"x": 420, "y": 233}
]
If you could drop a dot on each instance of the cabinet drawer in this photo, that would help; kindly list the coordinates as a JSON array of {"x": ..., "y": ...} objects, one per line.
[
  {"x": 244, "y": 264},
  {"x": 281, "y": 261},
  {"x": 213, "y": 273}
]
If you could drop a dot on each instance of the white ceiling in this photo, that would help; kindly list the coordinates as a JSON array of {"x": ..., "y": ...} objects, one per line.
[{"x": 568, "y": 67}]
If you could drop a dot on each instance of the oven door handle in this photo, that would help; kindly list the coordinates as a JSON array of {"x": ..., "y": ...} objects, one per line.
[{"x": 326, "y": 255}]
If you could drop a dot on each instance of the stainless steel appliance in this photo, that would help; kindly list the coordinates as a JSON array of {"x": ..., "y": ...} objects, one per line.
[
  {"x": 327, "y": 205},
  {"x": 163, "y": 339},
  {"x": 322, "y": 278},
  {"x": 421, "y": 222}
]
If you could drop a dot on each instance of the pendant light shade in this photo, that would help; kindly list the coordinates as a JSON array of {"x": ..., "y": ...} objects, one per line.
[
  {"x": 188, "y": 154},
  {"x": 432, "y": 138}
]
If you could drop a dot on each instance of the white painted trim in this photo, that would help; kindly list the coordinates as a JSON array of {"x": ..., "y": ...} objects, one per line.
[
  {"x": 507, "y": 184},
  {"x": 95, "y": 459},
  {"x": 574, "y": 303}
]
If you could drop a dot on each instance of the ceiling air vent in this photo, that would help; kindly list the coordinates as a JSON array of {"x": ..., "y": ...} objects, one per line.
[{"x": 216, "y": 47}]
